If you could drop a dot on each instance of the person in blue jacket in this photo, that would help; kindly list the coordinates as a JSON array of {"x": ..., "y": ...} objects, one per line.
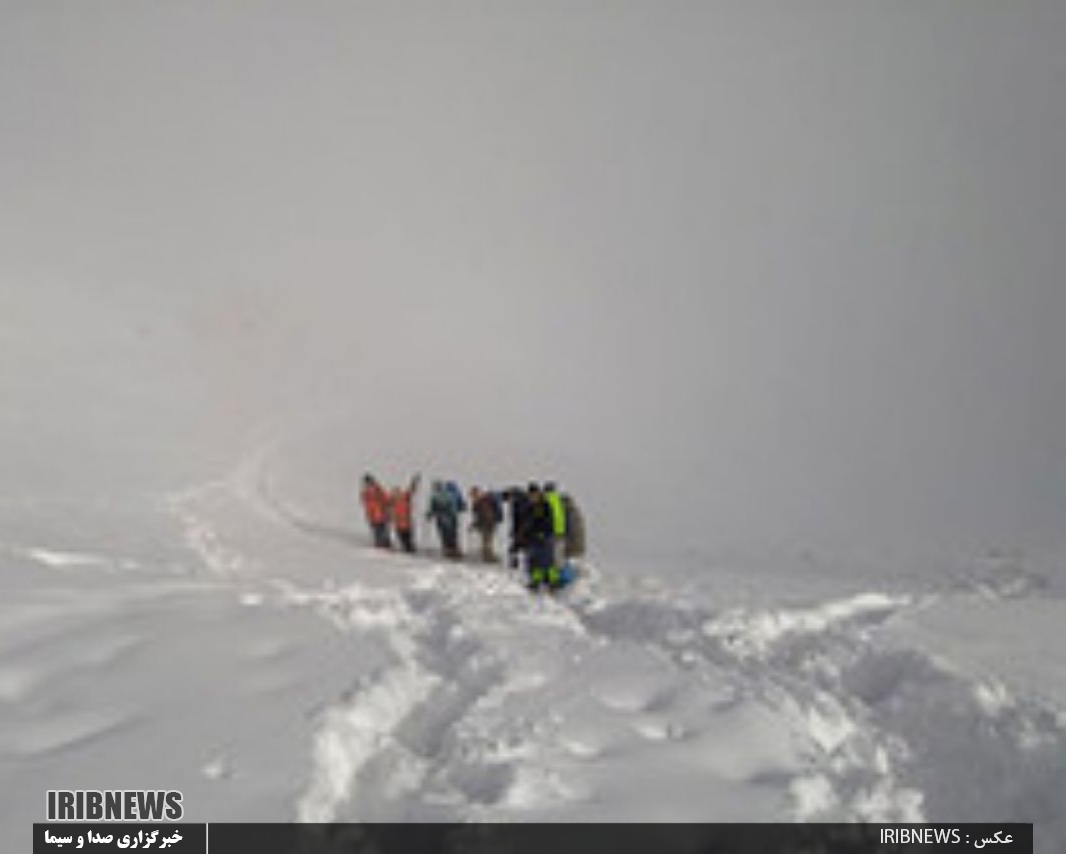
[{"x": 444, "y": 509}]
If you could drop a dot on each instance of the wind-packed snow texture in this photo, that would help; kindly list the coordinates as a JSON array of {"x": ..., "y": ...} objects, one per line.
[{"x": 245, "y": 641}]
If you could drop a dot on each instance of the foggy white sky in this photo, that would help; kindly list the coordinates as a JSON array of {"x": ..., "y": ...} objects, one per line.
[{"x": 797, "y": 268}]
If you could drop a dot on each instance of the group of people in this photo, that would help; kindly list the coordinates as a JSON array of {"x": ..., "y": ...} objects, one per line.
[{"x": 546, "y": 528}]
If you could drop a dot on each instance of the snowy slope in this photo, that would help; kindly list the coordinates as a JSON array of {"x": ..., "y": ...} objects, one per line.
[{"x": 239, "y": 642}]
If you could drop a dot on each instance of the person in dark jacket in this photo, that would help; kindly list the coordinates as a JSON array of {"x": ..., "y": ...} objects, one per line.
[
  {"x": 487, "y": 513},
  {"x": 539, "y": 537},
  {"x": 444, "y": 510},
  {"x": 518, "y": 503}
]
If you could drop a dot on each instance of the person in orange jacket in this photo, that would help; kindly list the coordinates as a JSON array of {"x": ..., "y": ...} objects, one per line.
[
  {"x": 402, "y": 518},
  {"x": 376, "y": 506}
]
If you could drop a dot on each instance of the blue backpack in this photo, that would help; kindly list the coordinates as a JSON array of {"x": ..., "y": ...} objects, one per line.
[
  {"x": 567, "y": 574},
  {"x": 456, "y": 495}
]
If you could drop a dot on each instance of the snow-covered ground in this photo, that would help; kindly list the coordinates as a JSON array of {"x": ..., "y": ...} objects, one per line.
[{"x": 238, "y": 641}]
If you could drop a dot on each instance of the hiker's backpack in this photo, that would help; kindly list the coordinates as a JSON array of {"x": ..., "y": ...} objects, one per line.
[
  {"x": 456, "y": 495},
  {"x": 575, "y": 527}
]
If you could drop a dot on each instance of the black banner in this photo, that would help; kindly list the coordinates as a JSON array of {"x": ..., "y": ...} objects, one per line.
[{"x": 185, "y": 838}]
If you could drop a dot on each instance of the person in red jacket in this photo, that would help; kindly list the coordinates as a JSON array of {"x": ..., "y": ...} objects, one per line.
[
  {"x": 376, "y": 507},
  {"x": 402, "y": 517}
]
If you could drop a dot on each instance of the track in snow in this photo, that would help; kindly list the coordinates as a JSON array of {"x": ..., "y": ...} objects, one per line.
[{"x": 496, "y": 704}]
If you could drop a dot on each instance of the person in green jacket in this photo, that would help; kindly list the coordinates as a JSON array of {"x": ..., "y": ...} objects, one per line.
[{"x": 557, "y": 512}]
